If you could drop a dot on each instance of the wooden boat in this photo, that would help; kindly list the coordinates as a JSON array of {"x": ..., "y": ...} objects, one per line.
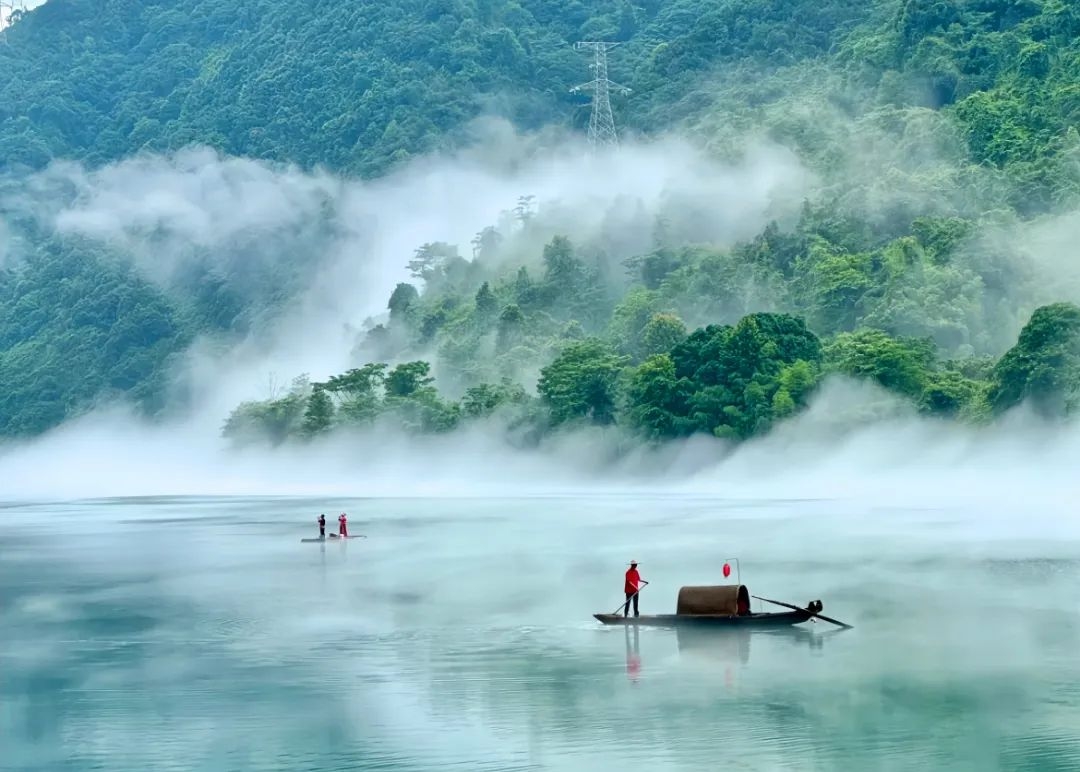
[
  {"x": 777, "y": 619},
  {"x": 725, "y": 606}
]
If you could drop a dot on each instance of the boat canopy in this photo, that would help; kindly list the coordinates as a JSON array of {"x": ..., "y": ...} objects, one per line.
[{"x": 722, "y": 599}]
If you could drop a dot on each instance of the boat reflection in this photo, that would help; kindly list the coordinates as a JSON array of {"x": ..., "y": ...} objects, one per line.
[
  {"x": 733, "y": 645},
  {"x": 724, "y": 645}
]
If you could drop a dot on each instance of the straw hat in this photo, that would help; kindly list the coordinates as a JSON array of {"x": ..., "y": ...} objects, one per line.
[{"x": 633, "y": 562}]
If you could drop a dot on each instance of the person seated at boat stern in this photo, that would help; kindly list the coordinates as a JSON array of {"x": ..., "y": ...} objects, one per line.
[{"x": 632, "y": 587}]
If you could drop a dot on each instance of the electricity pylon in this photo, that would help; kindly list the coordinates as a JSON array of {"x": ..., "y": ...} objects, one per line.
[{"x": 601, "y": 122}]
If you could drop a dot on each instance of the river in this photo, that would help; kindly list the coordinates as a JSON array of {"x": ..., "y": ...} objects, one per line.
[{"x": 177, "y": 633}]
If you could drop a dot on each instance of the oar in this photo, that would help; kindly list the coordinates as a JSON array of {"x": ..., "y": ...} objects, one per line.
[
  {"x": 808, "y": 611},
  {"x": 626, "y": 605}
]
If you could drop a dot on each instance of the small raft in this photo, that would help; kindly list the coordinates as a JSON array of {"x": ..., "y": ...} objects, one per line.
[
  {"x": 725, "y": 605},
  {"x": 334, "y": 537}
]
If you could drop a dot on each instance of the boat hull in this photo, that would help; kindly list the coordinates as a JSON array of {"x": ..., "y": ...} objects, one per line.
[{"x": 780, "y": 619}]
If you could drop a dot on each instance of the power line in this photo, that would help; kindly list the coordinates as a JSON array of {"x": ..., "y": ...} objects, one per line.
[{"x": 601, "y": 122}]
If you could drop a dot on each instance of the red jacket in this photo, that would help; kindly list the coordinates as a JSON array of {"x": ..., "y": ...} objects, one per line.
[{"x": 633, "y": 579}]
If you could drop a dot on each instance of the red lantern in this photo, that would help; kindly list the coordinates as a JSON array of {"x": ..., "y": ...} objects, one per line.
[{"x": 727, "y": 570}]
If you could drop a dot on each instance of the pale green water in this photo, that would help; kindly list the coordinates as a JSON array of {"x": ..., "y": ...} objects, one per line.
[{"x": 201, "y": 634}]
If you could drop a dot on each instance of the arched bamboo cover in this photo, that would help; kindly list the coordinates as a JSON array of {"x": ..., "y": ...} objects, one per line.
[{"x": 714, "y": 599}]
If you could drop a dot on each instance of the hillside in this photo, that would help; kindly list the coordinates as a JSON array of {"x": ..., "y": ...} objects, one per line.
[
  {"x": 938, "y": 131},
  {"x": 359, "y": 87}
]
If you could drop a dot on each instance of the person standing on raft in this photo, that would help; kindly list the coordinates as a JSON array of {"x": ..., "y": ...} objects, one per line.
[
  {"x": 322, "y": 526},
  {"x": 632, "y": 586},
  {"x": 343, "y": 529}
]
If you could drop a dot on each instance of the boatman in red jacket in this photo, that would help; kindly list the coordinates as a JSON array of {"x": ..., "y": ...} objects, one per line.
[
  {"x": 343, "y": 529},
  {"x": 632, "y": 587}
]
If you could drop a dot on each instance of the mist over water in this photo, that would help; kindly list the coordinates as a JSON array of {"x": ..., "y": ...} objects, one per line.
[
  {"x": 200, "y": 632},
  {"x": 853, "y": 443}
]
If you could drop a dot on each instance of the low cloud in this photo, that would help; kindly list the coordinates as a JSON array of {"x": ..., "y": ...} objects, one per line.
[{"x": 345, "y": 243}]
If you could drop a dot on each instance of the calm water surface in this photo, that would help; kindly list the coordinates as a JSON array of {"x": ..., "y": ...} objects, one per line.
[{"x": 162, "y": 634}]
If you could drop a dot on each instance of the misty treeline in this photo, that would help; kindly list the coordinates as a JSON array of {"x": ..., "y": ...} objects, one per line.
[
  {"x": 933, "y": 126},
  {"x": 628, "y": 358},
  {"x": 81, "y": 324}
]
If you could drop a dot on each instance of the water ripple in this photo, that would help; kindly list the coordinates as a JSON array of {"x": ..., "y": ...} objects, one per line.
[{"x": 460, "y": 637}]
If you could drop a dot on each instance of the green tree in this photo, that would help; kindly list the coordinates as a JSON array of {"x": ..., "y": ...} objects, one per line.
[
  {"x": 414, "y": 401},
  {"x": 795, "y": 383},
  {"x": 409, "y": 378},
  {"x": 656, "y": 401},
  {"x": 572, "y": 290},
  {"x": 484, "y": 399},
  {"x": 1044, "y": 365},
  {"x": 582, "y": 382},
  {"x": 901, "y": 365},
  {"x": 486, "y": 305},
  {"x": 402, "y": 300},
  {"x": 949, "y": 393},
  {"x": 486, "y": 244},
  {"x": 525, "y": 289},
  {"x": 430, "y": 260},
  {"x": 834, "y": 283},
  {"x": 732, "y": 374},
  {"x": 319, "y": 414},
  {"x": 629, "y": 318},
  {"x": 275, "y": 419},
  {"x": 359, "y": 392},
  {"x": 662, "y": 333},
  {"x": 511, "y": 328}
]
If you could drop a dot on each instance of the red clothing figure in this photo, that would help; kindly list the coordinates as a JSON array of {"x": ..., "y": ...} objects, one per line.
[
  {"x": 343, "y": 530},
  {"x": 631, "y": 587}
]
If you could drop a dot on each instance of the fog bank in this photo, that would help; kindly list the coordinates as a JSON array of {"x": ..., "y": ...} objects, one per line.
[
  {"x": 854, "y": 442},
  {"x": 340, "y": 245},
  {"x": 349, "y": 241}
]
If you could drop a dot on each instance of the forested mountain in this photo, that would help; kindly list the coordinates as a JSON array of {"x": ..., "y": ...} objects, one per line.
[
  {"x": 358, "y": 86},
  {"x": 939, "y": 130}
]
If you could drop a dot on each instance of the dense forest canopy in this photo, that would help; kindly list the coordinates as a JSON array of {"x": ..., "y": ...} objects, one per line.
[
  {"x": 939, "y": 133},
  {"x": 360, "y": 87}
]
